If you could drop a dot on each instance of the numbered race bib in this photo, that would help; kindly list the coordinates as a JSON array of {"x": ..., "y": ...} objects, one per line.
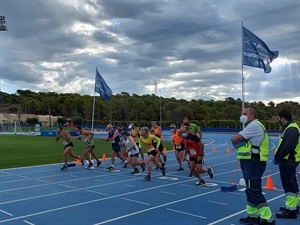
[
  {"x": 178, "y": 147},
  {"x": 112, "y": 141},
  {"x": 65, "y": 143},
  {"x": 150, "y": 149},
  {"x": 193, "y": 152}
]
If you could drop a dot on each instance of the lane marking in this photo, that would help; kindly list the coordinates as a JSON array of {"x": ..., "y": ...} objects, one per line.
[
  {"x": 242, "y": 211},
  {"x": 127, "y": 185},
  {"x": 220, "y": 203},
  {"x": 96, "y": 192},
  {"x": 155, "y": 207},
  {"x": 7, "y": 213},
  {"x": 131, "y": 200},
  {"x": 169, "y": 193},
  {"x": 25, "y": 221},
  {"x": 68, "y": 186},
  {"x": 185, "y": 213}
]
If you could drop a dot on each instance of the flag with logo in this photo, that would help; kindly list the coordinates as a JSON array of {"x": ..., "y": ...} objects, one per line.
[
  {"x": 101, "y": 87},
  {"x": 256, "y": 53}
]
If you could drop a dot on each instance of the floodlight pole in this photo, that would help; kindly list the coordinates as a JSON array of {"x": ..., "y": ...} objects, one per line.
[
  {"x": 2, "y": 28},
  {"x": 160, "y": 122}
]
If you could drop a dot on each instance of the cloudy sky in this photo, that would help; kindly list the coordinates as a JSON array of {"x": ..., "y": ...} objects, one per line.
[{"x": 191, "y": 48}]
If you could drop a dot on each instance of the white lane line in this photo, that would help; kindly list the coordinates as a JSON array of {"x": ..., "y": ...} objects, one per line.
[
  {"x": 68, "y": 186},
  {"x": 155, "y": 207},
  {"x": 131, "y": 200},
  {"x": 237, "y": 213},
  {"x": 219, "y": 203},
  {"x": 96, "y": 192},
  {"x": 25, "y": 221},
  {"x": 45, "y": 181},
  {"x": 185, "y": 213},
  {"x": 103, "y": 199},
  {"x": 169, "y": 193},
  {"x": 7, "y": 213},
  {"x": 127, "y": 185}
]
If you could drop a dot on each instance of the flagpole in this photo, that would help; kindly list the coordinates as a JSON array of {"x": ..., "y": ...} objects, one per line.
[
  {"x": 243, "y": 79},
  {"x": 93, "y": 114}
]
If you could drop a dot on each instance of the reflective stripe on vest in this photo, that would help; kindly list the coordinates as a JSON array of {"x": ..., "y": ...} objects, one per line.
[
  {"x": 245, "y": 151},
  {"x": 297, "y": 149}
]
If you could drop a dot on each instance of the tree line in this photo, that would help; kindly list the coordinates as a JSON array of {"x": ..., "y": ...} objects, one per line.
[{"x": 125, "y": 107}]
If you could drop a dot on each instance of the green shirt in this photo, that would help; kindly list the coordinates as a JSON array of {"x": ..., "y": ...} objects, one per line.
[{"x": 194, "y": 128}]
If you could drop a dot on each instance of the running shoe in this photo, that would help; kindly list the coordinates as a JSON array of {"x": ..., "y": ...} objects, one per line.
[
  {"x": 210, "y": 172},
  {"x": 82, "y": 161},
  {"x": 98, "y": 163},
  {"x": 90, "y": 166},
  {"x": 282, "y": 208},
  {"x": 111, "y": 168},
  {"x": 200, "y": 183},
  {"x": 265, "y": 222},
  {"x": 125, "y": 165},
  {"x": 180, "y": 168},
  {"x": 165, "y": 158},
  {"x": 64, "y": 167},
  {"x": 143, "y": 166},
  {"x": 191, "y": 174},
  {"x": 135, "y": 171},
  {"x": 147, "y": 178},
  {"x": 163, "y": 171},
  {"x": 250, "y": 220}
]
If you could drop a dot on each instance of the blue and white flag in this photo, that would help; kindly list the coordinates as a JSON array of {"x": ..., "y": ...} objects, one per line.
[
  {"x": 256, "y": 53},
  {"x": 101, "y": 87}
]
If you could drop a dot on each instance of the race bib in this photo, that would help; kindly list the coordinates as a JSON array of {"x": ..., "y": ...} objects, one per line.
[
  {"x": 193, "y": 152},
  {"x": 65, "y": 143},
  {"x": 112, "y": 141},
  {"x": 178, "y": 147},
  {"x": 150, "y": 149}
]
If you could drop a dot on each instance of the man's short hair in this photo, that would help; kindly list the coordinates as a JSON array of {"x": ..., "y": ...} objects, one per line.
[{"x": 286, "y": 114}]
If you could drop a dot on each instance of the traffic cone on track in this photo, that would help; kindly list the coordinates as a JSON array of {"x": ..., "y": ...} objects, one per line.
[
  {"x": 104, "y": 157},
  {"x": 214, "y": 149},
  {"x": 228, "y": 150},
  {"x": 269, "y": 184}
]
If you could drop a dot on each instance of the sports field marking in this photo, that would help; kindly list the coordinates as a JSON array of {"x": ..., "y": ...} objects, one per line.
[
  {"x": 97, "y": 192},
  {"x": 7, "y": 213},
  {"x": 25, "y": 221},
  {"x": 131, "y": 200},
  {"x": 68, "y": 186},
  {"x": 102, "y": 199},
  {"x": 237, "y": 213},
  {"x": 40, "y": 180},
  {"x": 168, "y": 193},
  {"x": 127, "y": 185},
  {"x": 155, "y": 207},
  {"x": 219, "y": 203},
  {"x": 185, "y": 213}
]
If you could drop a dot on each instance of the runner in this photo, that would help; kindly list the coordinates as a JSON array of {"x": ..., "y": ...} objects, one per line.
[
  {"x": 195, "y": 148},
  {"x": 68, "y": 144},
  {"x": 133, "y": 152},
  {"x": 146, "y": 140},
  {"x": 135, "y": 133},
  {"x": 158, "y": 132},
  {"x": 114, "y": 138},
  {"x": 178, "y": 145},
  {"x": 87, "y": 138}
]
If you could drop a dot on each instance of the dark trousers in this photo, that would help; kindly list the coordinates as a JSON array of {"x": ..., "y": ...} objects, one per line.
[
  {"x": 288, "y": 179},
  {"x": 253, "y": 170}
]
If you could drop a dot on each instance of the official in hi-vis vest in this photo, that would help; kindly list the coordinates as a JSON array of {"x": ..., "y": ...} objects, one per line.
[
  {"x": 288, "y": 158},
  {"x": 252, "y": 145}
]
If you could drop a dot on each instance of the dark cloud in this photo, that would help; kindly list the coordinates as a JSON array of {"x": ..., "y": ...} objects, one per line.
[{"x": 191, "y": 48}]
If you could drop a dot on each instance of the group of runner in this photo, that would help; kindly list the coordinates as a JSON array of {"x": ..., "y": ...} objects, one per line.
[{"x": 186, "y": 140}]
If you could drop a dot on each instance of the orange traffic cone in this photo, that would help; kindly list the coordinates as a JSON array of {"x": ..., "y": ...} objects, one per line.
[
  {"x": 269, "y": 184},
  {"x": 227, "y": 150},
  {"x": 104, "y": 157},
  {"x": 214, "y": 149},
  {"x": 78, "y": 161}
]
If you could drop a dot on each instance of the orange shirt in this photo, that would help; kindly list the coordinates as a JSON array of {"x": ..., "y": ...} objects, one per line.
[
  {"x": 157, "y": 130},
  {"x": 177, "y": 139}
]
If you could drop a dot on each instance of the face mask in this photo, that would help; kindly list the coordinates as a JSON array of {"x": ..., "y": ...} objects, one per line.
[
  {"x": 243, "y": 118},
  {"x": 280, "y": 122},
  {"x": 184, "y": 135},
  {"x": 172, "y": 129}
]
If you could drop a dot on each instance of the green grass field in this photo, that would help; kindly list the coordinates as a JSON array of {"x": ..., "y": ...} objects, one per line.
[{"x": 23, "y": 150}]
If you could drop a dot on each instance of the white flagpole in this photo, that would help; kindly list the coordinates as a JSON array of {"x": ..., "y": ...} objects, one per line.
[
  {"x": 243, "y": 79},
  {"x": 92, "y": 128}
]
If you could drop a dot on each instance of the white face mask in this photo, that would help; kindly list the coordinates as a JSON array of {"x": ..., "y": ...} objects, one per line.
[{"x": 244, "y": 118}]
